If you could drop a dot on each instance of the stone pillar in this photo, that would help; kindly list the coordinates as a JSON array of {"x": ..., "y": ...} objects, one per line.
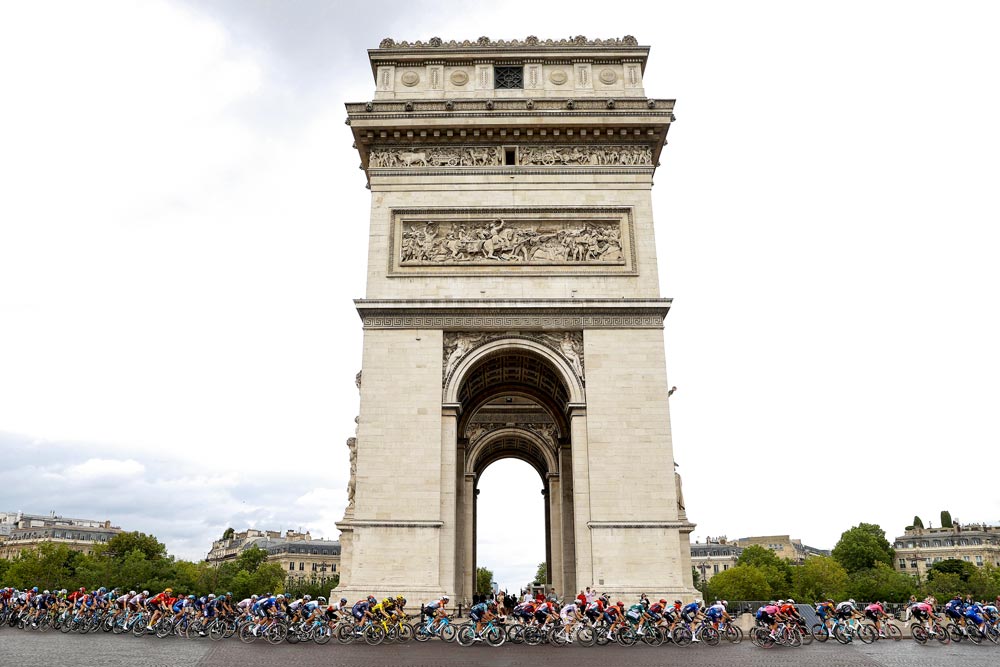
[
  {"x": 581, "y": 497},
  {"x": 449, "y": 471},
  {"x": 567, "y": 586},
  {"x": 468, "y": 574},
  {"x": 555, "y": 530}
]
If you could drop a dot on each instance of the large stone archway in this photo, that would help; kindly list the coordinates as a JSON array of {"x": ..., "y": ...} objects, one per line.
[
  {"x": 512, "y": 267},
  {"x": 537, "y": 428}
]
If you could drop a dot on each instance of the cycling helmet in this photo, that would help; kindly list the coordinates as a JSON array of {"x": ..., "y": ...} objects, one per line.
[
  {"x": 280, "y": 596},
  {"x": 781, "y": 602},
  {"x": 307, "y": 597},
  {"x": 399, "y": 598},
  {"x": 663, "y": 602},
  {"x": 620, "y": 603},
  {"x": 725, "y": 603},
  {"x": 35, "y": 589},
  {"x": 343, "y": 600},
  {"x": 45, "y": 592},
  {"x": 144, "y": 593},
  {"x": 789, "y": 601},
  {"x": 853, "y": 603},
  {"x": 190, "y": 597},
  {"x": 102, "y": 589},
  {"x": 321, "y": 599},
  {"x": 401, "y": 601},
  {"x": 211, "y": 596},
  {"x": 371, "y": 598},
  {"x": 445, "y": 597},
  {"x": 131, "y": 592},
  {"x": 697, "y": 601},
  {"x": 63, "y": 592},
  {"x": 677, "y": 602},
  {"x": 253, "y": 597}
]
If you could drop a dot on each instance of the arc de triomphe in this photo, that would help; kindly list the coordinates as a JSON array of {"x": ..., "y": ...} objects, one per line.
[{"x": 512, "y": 310}]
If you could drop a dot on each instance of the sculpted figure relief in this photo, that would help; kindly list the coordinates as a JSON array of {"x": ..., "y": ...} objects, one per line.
[
  {"x": 352, "y": 444},
  {"x": 568, "y": 344},
  {"x": 547, "y": 432},
  {"x": 475, "y": 156},
  {"x": 617, "y": 156},
  {"x": 511, "y": 242}
]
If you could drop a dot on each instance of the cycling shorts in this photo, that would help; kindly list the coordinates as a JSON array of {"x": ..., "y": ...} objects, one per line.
[
  {"x": 475, "y": 616},
  {"x": 871, "y": 615}
]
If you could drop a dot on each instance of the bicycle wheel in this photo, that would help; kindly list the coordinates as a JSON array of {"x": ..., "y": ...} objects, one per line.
[
  {"x": 892, "y": 631},
  {"x": 67, "y": 625},
  {"x": 974, "y": 635},
  {"x": 448, "y": 633},
  {"x": 682, "y": 635},
  {"x": 867, "y": 634},
  {"x": 710, "y": 635},
  {"x": 954, "y": 632},
  {"x": 585, "y": 636},
  {"x": 733, "y": 634},
  {"x": 345, "y": 633},
  {"x": 992, "y": 633},
  {"x": 495, "y": 636},
  {"x": 941, "y": 634},
  {"x": 841, "y": 635},
  {"x": 557, "y": 636},
  {"x": 139, "y": 627},
  {"x": 421, "y": 633},
  {"x": 322, "y": 634},
  {"x": 466, "y": 635},
  {"x": 276, "y": 633},
  {"x": 625, "y": 636},
  {"x": 247, "y": 635},
  {"x": 404, "y": 632},
  {"x": 919, "y": 633},
  {"x": 761, "y": 637},
  {"x": 794, "y": 635},
  {"x": 217, "y": 631},
  {"x": 374, "y": 635}
]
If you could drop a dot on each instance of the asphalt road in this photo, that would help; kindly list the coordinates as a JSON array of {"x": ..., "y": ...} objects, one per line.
[{"x": 29, "y": 649}]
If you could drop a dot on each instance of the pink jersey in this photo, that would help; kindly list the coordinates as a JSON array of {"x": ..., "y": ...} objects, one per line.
[
  {"x": 875, "y": 607},
  {"x": 924, "y": 607}
]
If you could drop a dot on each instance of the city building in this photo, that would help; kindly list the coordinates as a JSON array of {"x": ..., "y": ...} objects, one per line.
[
  {"x": 301, "y": 556},
  {"x": 919, "y": 548},
  {"x": 714, "y": 555},
  {"x": 784, "y": 546},
  {"x": 512, "y": 262},
  {"x": 19, "y": 531}
]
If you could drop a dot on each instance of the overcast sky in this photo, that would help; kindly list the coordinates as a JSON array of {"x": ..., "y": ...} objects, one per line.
[{"x": 183, "y": 228}]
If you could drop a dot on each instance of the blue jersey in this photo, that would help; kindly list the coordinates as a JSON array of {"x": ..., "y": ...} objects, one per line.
[
  {"x": 480, "y": 609},
  {"x": 691, "y": 608},
  {"x": 360, "y": 607}
]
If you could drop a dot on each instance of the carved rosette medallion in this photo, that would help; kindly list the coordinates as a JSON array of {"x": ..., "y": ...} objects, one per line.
[
  {"x": 608, "y": 76},
  {"x": 459, "y": 77},
  {"x": 410, "y": 78},
  {"x": 458, "y": 345},
  {"x": 558, "y": 77}
]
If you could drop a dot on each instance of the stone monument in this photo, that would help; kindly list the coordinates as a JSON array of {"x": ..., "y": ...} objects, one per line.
[{"x": 512, "y": 310}]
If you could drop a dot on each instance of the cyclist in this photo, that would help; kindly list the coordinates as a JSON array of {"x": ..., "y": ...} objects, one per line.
[
  {"x": 955, "y": 609},
  {"x": 974, "y": 616},
  {"x": 384, "y": 610},
  {"x": 690, "y": 613},
  {"x": 924, "y": 611},
  {"x": 481, "y": 614},
  {"x": 157, "y": 605},
  {"x": 361, "y": 611},
  {"x": 437, "y": 609},
  {"x": 717, "y": 613},
  {"x": 569, "y": 615},
  {"x": 825, "y": 611},
  {"x": 768, "y": 615},
  {"x": 874, "y": 612},
  {"x": 614, "y": 615},
  {"x": 846, "y": 611},
  {"x": 790, "y": 613},
  {"x": 595, "y": 609}
]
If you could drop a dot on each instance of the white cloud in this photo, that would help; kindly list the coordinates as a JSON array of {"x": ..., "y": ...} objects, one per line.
[{"x": 105, "y": 469}]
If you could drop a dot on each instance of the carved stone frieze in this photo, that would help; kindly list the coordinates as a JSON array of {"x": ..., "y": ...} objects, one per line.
[
  {"x": 585, "y": 155},
  {"x": 546, "y": 431},
  {"x": 529, "y": 42},
  {"x": 448, "y": 156},
  {"x": 500, "y": 241},
  {"x": 458, "y": 344}
]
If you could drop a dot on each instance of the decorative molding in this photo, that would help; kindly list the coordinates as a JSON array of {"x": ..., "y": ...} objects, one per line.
[
  {"x": 512, "y": 241},
  {"x": 396, "y": 523},
  {"x": 411, "y": 157},
  {"x": 519, "y": 315},
  {"x": 459, "y": 344},
  {"x": 629, "y": 106},
  {"x": 528, "y": 42},
  {"x": 546, "y": 431},
  {"x": 606, "y": 525}
]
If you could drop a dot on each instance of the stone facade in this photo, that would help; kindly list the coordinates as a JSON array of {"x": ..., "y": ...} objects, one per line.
[
  {"x": 300, "y": 556},
  {"x": 714, "y": 555},
  {"x": 919, "y": 548},
  {"x": 512, "y": 309},
  {"x": 20, "y": 531},
  {"x": 791, "y": 549}
]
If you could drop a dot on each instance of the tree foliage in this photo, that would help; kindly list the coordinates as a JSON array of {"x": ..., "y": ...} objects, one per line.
[
  {"x": 777, "y": 571},
  {"x": 228, "y": 533},
  {"x": 484, "y": 581},
  {"x": 946, "y": 519},
  {"x": 862, "y": 547},
  {"x": 819, "y": 578},
  {"x": 963, "y": 569},
  {"x": 881, "y": 582},
  {"x": 542, "y": 574},
  {"x": 917, "y": 523},
  {"x": 743, "y": 582}
]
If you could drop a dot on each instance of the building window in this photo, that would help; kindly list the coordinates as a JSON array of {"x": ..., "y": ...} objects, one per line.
[
  {"x": 937, "y": 559},
  {"x": 333, "y": 567},
  {"x": 725, "y": 566},
  {"x": 291, "y": 566},
  {"x": 902, "y": 563},
  {"x": 979, "y": 560},
  {"x": 966, "y": 558},
  {"x": 314, "y": 567},
  {"x": 302, "y": 566},
  {"x": 937, "y": 543},
  {"x": 715, "y": 568},
  {"x": 508, "y": 77},
  {"x": 927, "y": 562}
]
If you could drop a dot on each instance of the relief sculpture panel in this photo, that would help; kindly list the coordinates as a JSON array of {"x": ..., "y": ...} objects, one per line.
[
  {"x": 500, "y": 241},
  {"x": 527, "y": 156}
]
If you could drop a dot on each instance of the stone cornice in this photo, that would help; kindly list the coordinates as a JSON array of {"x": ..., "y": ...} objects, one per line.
[
  {"x": 499, "y": 314},
  {"x": 531, "y": 107}
]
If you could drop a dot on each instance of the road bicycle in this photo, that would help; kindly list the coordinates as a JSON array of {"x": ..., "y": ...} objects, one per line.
[{"x": 493, "y": 635}]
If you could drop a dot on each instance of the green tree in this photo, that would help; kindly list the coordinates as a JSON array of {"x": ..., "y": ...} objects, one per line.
[
  {"x": 122, "y": 544},
  {"x": 917, "y": 523},
  {"x": 228, "y": 533},
  {"x": 881, "y": 582},
  {"x": 314, "y": 586},
  {"x": 542, "y": 573},
  {"x": 819, "y": 578},
  {"x": 963, "y": 569},
  {"x": 946, "y": 519},
  {"x": 944, "y": 586},
  {"x": 696, "y": 577},
  {"x": 743, "y": 582},
  {"x": 49, "y": 565},
  {"x": 484, "y": 580},
  {"x": 251, "y": 559},
  {"x": 4, "y": 566},
  {"x": 984, "y": 583},
  {"x": 862, "y": 547},
  {"x": 777, "y": 571}
]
